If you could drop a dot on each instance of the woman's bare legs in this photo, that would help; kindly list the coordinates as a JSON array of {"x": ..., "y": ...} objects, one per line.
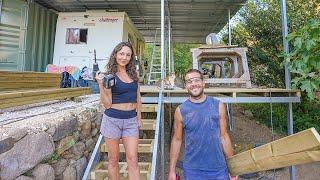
[
  {"x": 113, "y": 158},
  {"x": 131, "y": 147}
]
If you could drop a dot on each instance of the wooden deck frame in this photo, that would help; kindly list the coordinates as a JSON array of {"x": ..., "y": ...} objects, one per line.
[{"x": 232, "y": 92}]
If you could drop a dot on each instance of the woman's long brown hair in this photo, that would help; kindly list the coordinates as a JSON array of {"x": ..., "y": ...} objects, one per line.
[{"x": 112, "y": 66}]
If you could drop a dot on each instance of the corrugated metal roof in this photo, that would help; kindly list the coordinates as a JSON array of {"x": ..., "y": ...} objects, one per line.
[{"x": 191, "y": 20}]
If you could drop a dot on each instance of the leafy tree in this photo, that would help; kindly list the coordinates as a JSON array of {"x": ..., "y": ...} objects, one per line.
[
  {"x": 304, "y": 59},
  {"x": 182, "y": 58},
  {"x": 259, "y": 29}
]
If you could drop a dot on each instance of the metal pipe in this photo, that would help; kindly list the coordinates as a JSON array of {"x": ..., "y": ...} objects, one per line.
[
  {"x": 162, "y": 39},
  {"x": 238, "y": 100},
  {"x": 284, "y": 21},
  {"x": 162, "y": 143},
  {"x": 0, "y": 10},
  {"x": 169, "y": 46},
  {"x": 229, "y": 26}
]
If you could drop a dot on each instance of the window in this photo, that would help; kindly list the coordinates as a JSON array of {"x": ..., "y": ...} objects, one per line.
[{"x": 76, "y": 36}]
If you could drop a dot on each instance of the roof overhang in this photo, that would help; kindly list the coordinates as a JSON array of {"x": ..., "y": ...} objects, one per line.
[{"x": 191, "y": 20}]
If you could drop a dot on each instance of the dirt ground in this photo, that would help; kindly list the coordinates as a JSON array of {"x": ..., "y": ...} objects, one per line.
[{"x": 246, "y": 134}]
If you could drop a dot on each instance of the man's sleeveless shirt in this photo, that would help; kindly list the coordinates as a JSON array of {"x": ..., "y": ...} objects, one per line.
[{"x": 203, "y": 148}]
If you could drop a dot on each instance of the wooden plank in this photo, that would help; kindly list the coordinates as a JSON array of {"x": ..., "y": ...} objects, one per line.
[
  {"x": 100, "y": 172},
  {"x": 155, "y": 89},
  {"x": 148, "y": 124},
  {"x": 18, "y": 80},
  {"x": 149, "y": 108},
  {"x": 27, "y": 74},
  {"x": 25, "y": 93},
  {"x": 40, "y": 97},
  {"x": 295, "y": 149},
  {"x": 45, "y": 96},
  {"x": 145, "y": 146}
]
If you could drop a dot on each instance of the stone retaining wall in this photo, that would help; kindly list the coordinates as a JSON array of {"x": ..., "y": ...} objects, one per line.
[{"x": 50, "y": 146}]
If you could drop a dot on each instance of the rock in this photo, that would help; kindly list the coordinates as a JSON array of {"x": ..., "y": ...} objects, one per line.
[
  {"x": 76, "y": 136},
  {"x": 24, "y": 178},
  {"x": 51, "y": 130},
  {"x": 43, "y": 171},
  {"x": 94, "y": 132},
  {"x": 70, "y": 173},
  {"x": 67, "y": 154},
  {"x": 65, "y": 127},
  {"x": 6, "y": 143},
  {"x": 89, "y": 143},
  {"x": 18, "y": 133},
  {"x": 93, "y": 125},
  {"x": 60, "y": 166},
  {"x": 26, "y": 153},
  {"x": 86, "y": 129},
  {"x": 65, "y": 144},
  {"x": 80, "y": 167},
  {"x": 78, "y": 149}
]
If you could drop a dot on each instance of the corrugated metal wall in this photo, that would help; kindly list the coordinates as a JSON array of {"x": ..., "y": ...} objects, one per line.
[
  {"x": 40, "y": 37},
  {"x": 26, "y": 36}
]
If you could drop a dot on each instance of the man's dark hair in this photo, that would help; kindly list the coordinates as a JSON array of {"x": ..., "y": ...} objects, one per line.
[{"x": 196, "y": 71}]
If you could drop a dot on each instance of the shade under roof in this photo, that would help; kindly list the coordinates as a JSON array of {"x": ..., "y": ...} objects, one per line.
[{"x": 191, "y": 20}]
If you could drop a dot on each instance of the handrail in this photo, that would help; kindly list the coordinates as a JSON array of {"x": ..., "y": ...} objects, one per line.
[
  {"x": 157, "y": 135},
  {"x": 94, "y": 158}
]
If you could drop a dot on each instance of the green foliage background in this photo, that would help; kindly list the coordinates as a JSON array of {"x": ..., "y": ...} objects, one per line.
[{"x": 259, "y": 29}]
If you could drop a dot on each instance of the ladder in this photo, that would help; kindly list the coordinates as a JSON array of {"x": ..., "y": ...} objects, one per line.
[{"x": 155, "y": 65}]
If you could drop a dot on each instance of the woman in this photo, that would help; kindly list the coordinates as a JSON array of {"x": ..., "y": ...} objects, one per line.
[{"x": 122, "y": 117}]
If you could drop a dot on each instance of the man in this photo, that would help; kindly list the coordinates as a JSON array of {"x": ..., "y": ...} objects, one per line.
[{"x": 202, "y": 119}]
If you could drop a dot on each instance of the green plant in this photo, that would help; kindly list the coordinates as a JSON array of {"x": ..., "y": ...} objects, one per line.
[{"x": 304, "y": 59}]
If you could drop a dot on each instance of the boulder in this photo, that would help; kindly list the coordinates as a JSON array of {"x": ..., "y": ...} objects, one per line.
[{"x": 26, "y": 153}]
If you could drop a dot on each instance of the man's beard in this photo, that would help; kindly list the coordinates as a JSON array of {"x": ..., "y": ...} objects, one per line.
[{"x": 196, "y": 96}]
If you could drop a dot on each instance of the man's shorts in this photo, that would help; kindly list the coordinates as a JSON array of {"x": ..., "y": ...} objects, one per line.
[
  {"x": 191, "y": 174},
  {"x": 115, "y": 128}
]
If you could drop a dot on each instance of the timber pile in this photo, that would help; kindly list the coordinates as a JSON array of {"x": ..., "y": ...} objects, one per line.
[
  {"x": 12, "y": 80},
  {"x": 17, "y": 98},
  {"x": 299, "y": 148},
  {"x": 145, "y": 146},
  {"x": 21, "y": 88}
]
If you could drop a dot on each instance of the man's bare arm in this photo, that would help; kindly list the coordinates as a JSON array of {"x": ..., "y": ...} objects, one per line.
[
  {"x": 176, "y": 141},
  {"x": 224, "y": 136}
]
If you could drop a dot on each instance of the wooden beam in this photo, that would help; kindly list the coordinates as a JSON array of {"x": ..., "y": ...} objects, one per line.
[
  {"x": 100, "y": 172},
  {"x": 149, "y": 108},
  {"x": 145, "y": 146},
  {"x": 148, "y": 124},
  {"x": 299, "y": 148},
  {"x": 18, "y": 80},
  {"x": 11, "y": 99}
]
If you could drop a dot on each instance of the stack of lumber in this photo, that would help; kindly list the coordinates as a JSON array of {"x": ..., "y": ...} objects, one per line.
[
  {"x": 17, "y": 98},
  {"x": 299, "y": 148},
  {"x": 21, "y": 88},
  {"x": 12, "y": 80}
]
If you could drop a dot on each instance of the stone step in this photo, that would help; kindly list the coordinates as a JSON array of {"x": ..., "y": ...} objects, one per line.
[
  {"x": 145, "y": 146},
  {"x": 100, "y": 172}
]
